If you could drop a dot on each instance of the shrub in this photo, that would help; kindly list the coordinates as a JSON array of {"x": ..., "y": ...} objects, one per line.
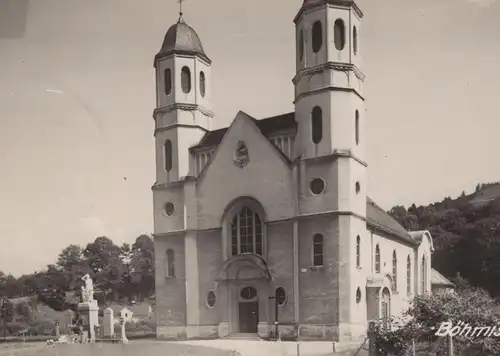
[
  {"x": 425, "y": 315},
  {"x": 41, "y": 327}
]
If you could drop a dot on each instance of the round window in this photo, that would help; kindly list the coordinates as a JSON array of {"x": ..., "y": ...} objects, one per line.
[
  {"x": 248, "y": 293},
  {"x": 317, "y": 186},
  {"x": 280, "y": 295},
  {"x": 169, "y": 208},
  {"x": 358, "y": 295},
  {"x": 358, "y": 187},
  {"x": 211, "y": 299}
]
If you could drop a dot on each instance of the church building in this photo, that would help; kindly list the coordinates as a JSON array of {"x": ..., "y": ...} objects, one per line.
[{"x": 270, "y": 218}]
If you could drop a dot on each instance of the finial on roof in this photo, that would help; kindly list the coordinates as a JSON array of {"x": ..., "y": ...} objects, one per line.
[{"x": 180, "y": 11}]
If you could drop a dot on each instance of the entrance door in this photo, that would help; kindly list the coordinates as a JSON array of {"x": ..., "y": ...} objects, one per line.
[{"x": 249, "y": 317}]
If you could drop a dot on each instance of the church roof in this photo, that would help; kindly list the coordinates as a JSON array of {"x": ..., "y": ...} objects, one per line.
[
  {"x": 181, "y": 39},
  {"x": 309, "y": 4},
  {"x": 375, "y": 215},
  {"x": 379, "y": 218},
  {"x": 437, "y": 279},
  {"x": 267, "y": 126}
]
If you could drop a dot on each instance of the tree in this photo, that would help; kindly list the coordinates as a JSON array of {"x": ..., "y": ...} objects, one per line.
[
  {"x": 106, "y": 265},
  {"x": 6, "y": 313},
  {"x": 73, "y": 266},
  {"x": 426, "y": 315},
  {"x": 142, "y": 265}
]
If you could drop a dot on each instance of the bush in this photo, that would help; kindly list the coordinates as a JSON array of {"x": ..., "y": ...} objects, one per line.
[
  {"x": 41, "y": 327},
  {"x": 472, "y": 307}
]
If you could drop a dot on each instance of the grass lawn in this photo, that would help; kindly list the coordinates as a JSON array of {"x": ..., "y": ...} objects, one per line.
[{"x": 135, "y": 348}]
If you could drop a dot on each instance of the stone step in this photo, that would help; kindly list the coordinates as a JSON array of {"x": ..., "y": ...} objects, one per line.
[{"x": 242, "y": 336}]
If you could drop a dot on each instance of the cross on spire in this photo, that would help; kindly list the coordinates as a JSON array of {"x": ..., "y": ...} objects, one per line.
[{"x": 180, "y": 9}]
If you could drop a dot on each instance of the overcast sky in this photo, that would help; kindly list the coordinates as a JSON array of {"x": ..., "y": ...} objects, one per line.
[{"x": 77, "y": 94}]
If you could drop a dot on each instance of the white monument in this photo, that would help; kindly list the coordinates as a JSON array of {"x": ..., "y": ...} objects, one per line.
[
  {"x": 88, "y": 308},
  {"x": 123, "y": 335},
  {"x": 108, "y": 323}
]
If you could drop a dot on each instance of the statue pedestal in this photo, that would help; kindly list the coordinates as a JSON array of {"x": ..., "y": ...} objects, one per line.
[{"x": 89, "y": 312}]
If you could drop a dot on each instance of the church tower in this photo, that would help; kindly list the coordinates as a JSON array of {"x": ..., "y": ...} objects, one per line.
[
  {"x": 330, "y": 145},
  {"x": 183, "y": 114},
  {"x": 182, "y": 117}
]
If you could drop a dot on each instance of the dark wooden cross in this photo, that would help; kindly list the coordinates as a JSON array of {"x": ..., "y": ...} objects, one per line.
[{"x": 180, "y": 6}]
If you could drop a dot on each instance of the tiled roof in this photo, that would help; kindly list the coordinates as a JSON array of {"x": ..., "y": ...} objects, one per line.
[
  {"x": 439, "y": 280},
  {"x": 181, "y": 39},
  {"x": 376, "y": 216},
  {"x": 379, "y": 218},
  {"x": 267, "y": 126}
]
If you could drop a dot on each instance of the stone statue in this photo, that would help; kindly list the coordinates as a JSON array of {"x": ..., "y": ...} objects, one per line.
[{"x": 88, "y": 290}]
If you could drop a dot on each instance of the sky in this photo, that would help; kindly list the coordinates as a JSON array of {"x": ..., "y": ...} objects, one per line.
[{"x": 77, "y": 93}]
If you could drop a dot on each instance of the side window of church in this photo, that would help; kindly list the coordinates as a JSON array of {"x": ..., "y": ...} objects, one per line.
[
  {"x": 202, "y": 84},
  {"x": 317, "y": 36},
  {"x": 423, "y": 276},
  {"x": 317, "y": 124},
  {"x": 339, "y": 34},
  {"x": 301, "y": 45},
  {"x": 355, "y": 40},
  {"x": 377, "y": 259},
  {"x": 318, "y": 250},
  {"x": 408, "y": 275},
  {"x": 394, "y": 271},
  {"x": 168, "y": 81},
  {"x": 356, "y": 126},
  {"x": 186, "y": 80},
  {"x": 170, "y": 263},
  {"x": 168, "y": 155}
]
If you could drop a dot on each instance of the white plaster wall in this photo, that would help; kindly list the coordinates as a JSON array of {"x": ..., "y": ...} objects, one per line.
[
  {"x": 266, "y": 178},
  {"x": 399, "y": 298}
]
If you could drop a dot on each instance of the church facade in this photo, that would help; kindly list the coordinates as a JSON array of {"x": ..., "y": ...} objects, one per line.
[{"x": 270, "y": 217}]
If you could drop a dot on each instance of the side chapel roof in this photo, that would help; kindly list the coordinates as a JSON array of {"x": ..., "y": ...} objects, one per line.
[{"x": 437, "y": 279}]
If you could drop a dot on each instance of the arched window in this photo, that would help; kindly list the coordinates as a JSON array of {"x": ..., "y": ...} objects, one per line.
[
  {"x": 394, "y": 271},
  {"x": 356, "y": 126},
  {"x": 317, "y": 36},
  {"x": 408, "y": 275},
  {"x": 423, "y": 275},
  {"x": 358, "y": 251},
  {"x": 377, "y": 259},
  {"x": 317, "y": 124},
  {"x": 318, "y": 250},
  {"x": 186, "y": 80},
  {"x": 355, "y": 40},
  {"x": 170, "y": 263},
  {"x": 167, "y": 78},
  {"x": 202, "y": 84},
  {"x": 301, "y": 45},
  {"x": 339, "y": 34},
  {"x": 168, "y": 155},
  {"x": 246, "y": 233}
]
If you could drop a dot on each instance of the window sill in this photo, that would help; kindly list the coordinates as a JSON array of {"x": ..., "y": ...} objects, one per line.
[
  {"x": 359, "y": 267},
  {"x": 170, "y": 277}
]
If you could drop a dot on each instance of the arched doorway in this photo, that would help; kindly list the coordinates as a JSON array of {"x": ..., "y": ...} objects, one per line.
[
  {"x": 248, "y": 310},
  {"x": 386, "y": 307}
]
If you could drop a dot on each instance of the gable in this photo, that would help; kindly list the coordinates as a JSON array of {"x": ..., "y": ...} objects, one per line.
[
  {"x": 267, "y": 127},
  {"x": 266, "y": 177}
]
